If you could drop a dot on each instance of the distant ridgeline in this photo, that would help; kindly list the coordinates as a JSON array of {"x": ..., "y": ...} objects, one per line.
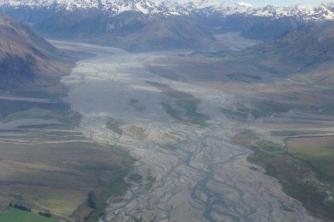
[{"x": 143, "y": 25}]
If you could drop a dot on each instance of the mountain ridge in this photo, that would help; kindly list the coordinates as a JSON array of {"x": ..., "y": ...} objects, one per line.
[
  {"x": 174, "y": 8},
  {"x": 26, "y": 59},
  {"x": 148, "y": 25}
]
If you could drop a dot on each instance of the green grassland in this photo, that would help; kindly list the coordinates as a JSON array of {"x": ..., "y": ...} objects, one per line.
[
  {"x": 61, "y": 177},
  {"x": 71, "y": 180},
  {"x": 15, "y": 215},
  {"x": 300, "y": 169},
  {"x": 318, "y": 151}
]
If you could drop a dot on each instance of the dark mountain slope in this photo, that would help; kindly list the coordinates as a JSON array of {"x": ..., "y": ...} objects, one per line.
[
  {"x": 130, "y": 30},
  {"x": 26, "y": 60},
  {"x": 307, "y": 46},
  {"x": 305, "y": 49},
  {"x": 308, "y": 49}
]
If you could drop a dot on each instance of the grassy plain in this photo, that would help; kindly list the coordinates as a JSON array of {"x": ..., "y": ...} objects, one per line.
[
  {"x": 316, "y": 150},
  {"x": 305, "y": 172},
  {"x": 58, "y": 177},
  {"x": 14, "y": 215}
]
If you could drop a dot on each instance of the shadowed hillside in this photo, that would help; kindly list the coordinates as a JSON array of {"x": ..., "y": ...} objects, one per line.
[{"x": 26, "y": 60}]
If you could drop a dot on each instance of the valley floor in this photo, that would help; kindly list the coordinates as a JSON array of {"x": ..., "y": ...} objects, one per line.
[{"x": 187, "y": 167}]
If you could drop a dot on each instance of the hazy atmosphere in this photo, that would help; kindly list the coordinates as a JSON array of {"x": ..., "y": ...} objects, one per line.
[{"x": 166, "y": 111}]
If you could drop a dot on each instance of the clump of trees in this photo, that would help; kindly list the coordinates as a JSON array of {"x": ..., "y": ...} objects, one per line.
[
  {"x": 45, "y": 213},
  {"x": 20, "y": 207}
]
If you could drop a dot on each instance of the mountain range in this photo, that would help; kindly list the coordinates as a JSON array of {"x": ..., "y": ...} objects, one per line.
[
  {"x": 144, "y": 25},
  {"x": 178, "y": 8}
]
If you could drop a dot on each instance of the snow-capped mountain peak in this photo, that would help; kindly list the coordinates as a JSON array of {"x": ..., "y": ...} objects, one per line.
[
  {"x": 244, "y": 4},
  {"x": 181, "y": 7}
]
